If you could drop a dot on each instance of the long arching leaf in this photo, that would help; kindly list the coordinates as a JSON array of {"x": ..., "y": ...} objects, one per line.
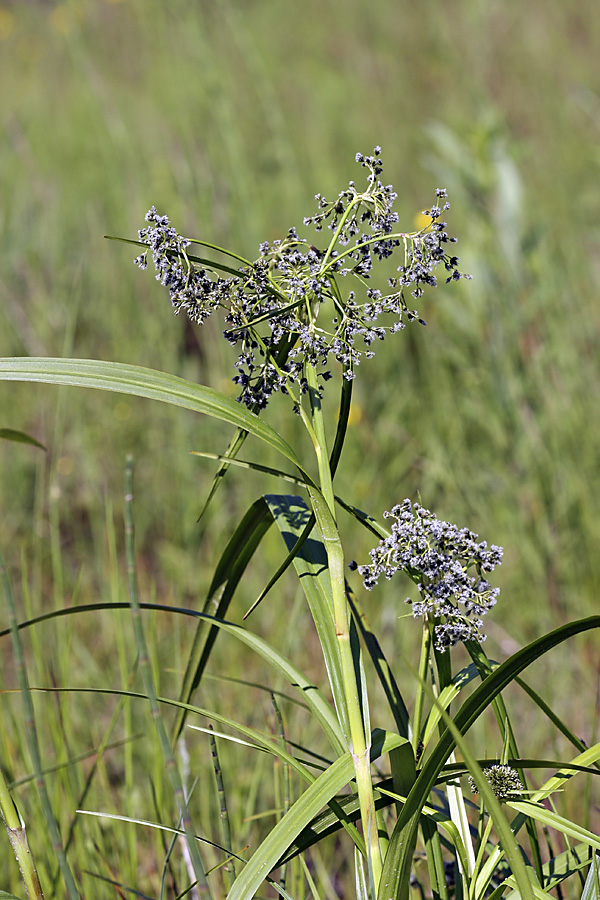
[
  {"x": 484, "y": 667},
  {"x": 309, "y": 691},
  {"x": 142, "y": 382},
  {"x": 256, "y": 740}
]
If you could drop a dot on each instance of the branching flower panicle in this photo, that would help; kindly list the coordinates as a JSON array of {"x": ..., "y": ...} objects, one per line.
[
  {"x": 449, "y": 566},
  {"x": 191, "y": 288},
  {"x": 286, "y": 310}
]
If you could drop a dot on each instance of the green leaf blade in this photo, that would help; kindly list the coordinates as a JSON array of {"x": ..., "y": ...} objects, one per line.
[
  {"x": 143, "y": 382},
  {"x": 20, "y": 437}
]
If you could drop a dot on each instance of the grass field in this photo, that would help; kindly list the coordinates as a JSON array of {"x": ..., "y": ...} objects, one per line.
[{"x": 230, "y": 116}]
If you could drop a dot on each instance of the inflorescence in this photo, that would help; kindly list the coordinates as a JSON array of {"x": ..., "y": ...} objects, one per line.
[
  {"x": 439, "y": 558},
  {"x": 273, "y": 306},
  {"x": 503, "y": 780}
]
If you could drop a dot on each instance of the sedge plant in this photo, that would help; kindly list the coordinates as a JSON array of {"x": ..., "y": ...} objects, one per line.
[{"x": 304, "y": 317}]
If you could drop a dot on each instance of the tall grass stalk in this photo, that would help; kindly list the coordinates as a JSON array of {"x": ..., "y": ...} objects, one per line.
[
  {"x": 148, "y": 681},
  {"x": 34, "y": 749}
]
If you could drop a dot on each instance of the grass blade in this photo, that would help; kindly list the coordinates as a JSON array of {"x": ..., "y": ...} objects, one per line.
[
  {"x": 591, "y": 888},
  {"x": 142, "y": 382},
  {"x": 148, "y": 681},
  {"x": 553, "y": 820},
  {"x": 565, "y": 864},
  {"x": 237, "y": 441},
  {"x": 383, "y": 669},
  {"x": 550, "y": 714},
  {"x": 230, "y": 569},
  {"x": 246, "y": 464},
  {"x": 9, "y": 434},
  {"x": 291, "y": 515},
  {"x": 18, "y": 840},
  {"x": 32, "y": 739},
  {"x": 398, "y": 861},
  {"x": 223, "y": 810},
  {"x": 309, "y": 691},
  {"x": 282, "y": 836},
  {"x": 479, "y": 657}
]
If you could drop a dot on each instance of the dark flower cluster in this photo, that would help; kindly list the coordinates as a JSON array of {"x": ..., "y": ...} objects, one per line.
[
  {"x": 439, "y": 557},
  {"x": 503, "y": 780},
  {"x": 191, "y": 288},
  {"x": 275, "y": 306}
]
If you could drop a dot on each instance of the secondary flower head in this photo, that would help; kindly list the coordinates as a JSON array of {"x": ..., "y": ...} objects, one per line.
[
  {"x": 287, "y": 309},
  {"x": 449, "y": 566},
  {"x": 503, "y": 780}
]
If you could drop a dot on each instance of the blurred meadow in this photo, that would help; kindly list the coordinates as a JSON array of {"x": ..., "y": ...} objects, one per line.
[{"x": 230, "y": 115}]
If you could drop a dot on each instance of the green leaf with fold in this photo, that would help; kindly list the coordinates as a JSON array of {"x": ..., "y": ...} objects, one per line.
[
  {"x": 309, "y": 692},
  {"x": 591, "y": 888},
  {"x": 565, "y": 864},
  {"x": 550, "y": 819},
  {"x": 291, "y": 515}
]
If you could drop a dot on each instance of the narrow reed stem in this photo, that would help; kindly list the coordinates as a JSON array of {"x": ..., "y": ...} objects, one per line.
[
  {"x": 419, "y": 699},
  {"x": 150, "y": 691},
  {"x": 18, "y": 839},
  {"x": 286, "y": 775},
  {"x": 359, "y": 740},
  {"x": 223, "y": 810},
  {"x": 32, "y": 740}
]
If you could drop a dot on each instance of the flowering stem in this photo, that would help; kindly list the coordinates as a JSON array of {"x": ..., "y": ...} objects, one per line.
[
  {"x": 222, "y": 250},
  {"x": 360, "y": 742},
  {"x": 423, "y": 664},
  {"x": 367, "y": 243},
  {"x": 284, "y": 310},
  {"x": 355, "y": 202}
]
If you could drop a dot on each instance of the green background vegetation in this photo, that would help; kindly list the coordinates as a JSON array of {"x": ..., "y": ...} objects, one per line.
[{"x": 230, "y": 116}]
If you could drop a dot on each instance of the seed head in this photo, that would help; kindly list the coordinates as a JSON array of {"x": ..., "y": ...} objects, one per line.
[
  {"x": 503, "y": 780},
  {"x": 287, "y": 310},
  {"x": 448, "y": 565}
]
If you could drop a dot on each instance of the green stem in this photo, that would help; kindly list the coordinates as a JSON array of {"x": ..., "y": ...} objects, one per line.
[
  {"x": 19, "y": 843},
  {"x": 223, "y": 810},
  {"x": 419, "y": 701},
  {"x": 456, "y": 800},
  {"x": 355, "y": 202},
  {"x": 480, "y": 852},
  {"x": 222, "y": 250},
  {"x": 323, "y": 505},
  {"x": 326, "y": 264},
  {"x": 320, "y": 441}
]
